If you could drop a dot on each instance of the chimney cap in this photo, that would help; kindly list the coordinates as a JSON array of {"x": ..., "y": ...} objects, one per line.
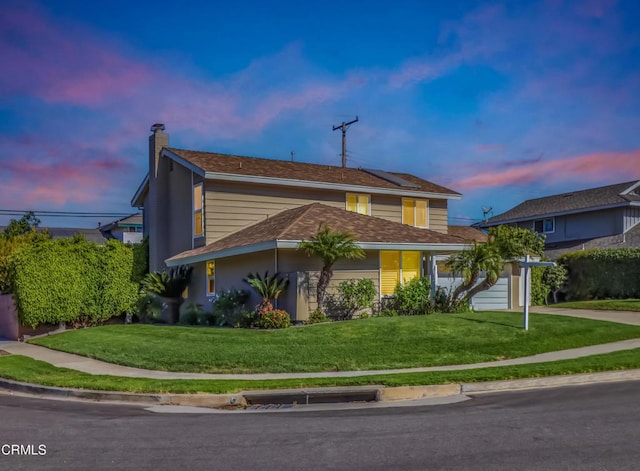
[{"x": 157, "y": 127}]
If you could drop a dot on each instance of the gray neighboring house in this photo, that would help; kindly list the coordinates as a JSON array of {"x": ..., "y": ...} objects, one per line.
[
  {"x": 127, "y": 229},
  {"x": 604, "y": 217}
]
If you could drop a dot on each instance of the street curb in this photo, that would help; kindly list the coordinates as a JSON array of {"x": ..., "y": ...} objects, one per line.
[{"x": 320, "y": 395}]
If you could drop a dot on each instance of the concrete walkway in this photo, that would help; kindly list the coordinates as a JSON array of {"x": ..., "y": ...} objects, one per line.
[{"x": 96, "y": 367}]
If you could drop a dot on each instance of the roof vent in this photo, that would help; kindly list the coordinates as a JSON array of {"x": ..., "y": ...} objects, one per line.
[
  {"x": 567, "y": 195},
  {"x": 396, "y": 180}
]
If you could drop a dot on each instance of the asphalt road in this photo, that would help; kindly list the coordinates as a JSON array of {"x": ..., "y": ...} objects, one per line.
[{"x": 573, "y": 428}]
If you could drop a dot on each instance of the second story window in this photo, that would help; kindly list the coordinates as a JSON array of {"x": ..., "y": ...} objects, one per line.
[
  {"x": 359, "y": 203},
  {"x": 544, "y": 226},
  {"x": 198, "y": 215},
  {"x": 415, "y": 212}
]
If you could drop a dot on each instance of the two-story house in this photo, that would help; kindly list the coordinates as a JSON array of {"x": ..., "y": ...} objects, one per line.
[
  {"x": 229, "y": 215},
  {"x": 603, "y": 217}
]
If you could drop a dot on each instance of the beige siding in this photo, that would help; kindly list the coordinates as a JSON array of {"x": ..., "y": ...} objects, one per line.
[
  {"x": 232, "y": 206},
  {"x": 387, "y": 207},
  {"x": 291, "y": 260},
  {"x": 438, "y": 215}
]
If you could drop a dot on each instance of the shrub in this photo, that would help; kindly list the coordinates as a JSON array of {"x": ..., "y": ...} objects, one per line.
[
  {"x": 539, "y": 289},
  {"x": 317, "y": 316},
  {"x": 229, "y": 309},
  {"x": 140, "y": 260},
  {"x": 72, "y": 280},
  {"x": 353, "y": 297},
  {"x": 191, "y": 313},
  {"x": 413, "y": 298},
  {"x": 275, "y": 319},
  {"x": 603, "y": 273},
  {"x": 444, "y": 302},
  {"x": 267, "y": 287},
  {"x": 169, "y": 284},
  {"x": 555, "y": 279},
  {"x": 388, "y": 313},
  {"x": 149, "y": 307}
]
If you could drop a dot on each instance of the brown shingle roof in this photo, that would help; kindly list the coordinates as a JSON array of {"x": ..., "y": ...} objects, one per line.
[
  {"x": 468, "y": 233},
  {"x": 239, "y": 165},
  {"x": 302, "y": 223},
  {"x": 566, "y": 202}
]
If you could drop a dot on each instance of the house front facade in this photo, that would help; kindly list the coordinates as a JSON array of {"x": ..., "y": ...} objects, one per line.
[
  {"x": 603, "y": 217},
  {"x": 229, "y": 215}
]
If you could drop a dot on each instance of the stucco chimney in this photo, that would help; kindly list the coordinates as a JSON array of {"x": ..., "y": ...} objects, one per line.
[
  {"x": 157, "y": 198},
  {"x": 157, "y": 140}
]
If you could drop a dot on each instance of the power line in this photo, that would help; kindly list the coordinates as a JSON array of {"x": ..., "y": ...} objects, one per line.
[{"x": 45, "y": 213}]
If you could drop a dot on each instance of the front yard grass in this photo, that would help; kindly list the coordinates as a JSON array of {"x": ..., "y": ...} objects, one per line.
[
  {"x": 370, "y": 344},
  {"x": 20, "y": 368},
  {"x": 603, "y": 305}
]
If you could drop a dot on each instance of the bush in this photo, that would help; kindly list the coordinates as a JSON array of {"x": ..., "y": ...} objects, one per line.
[
  {"x": 191, "y": 313},
  {"x": 276, "y": 319},
  {"x": 444, "y": 302},
  {"x": 149, "y": 308},
  {"x": 140, "y": 260},
  {"x": 353, "y": 297},
  {"x": 229, "y": 309},
  {"x": 387, "y": 313},
  {"x": 539, "y": 289},
  {"x": 317, "y": 317},
  {"x": 413, "y": 298},
  {"x": 72, "y": 280},
  {"x": 602, "y": 273}
]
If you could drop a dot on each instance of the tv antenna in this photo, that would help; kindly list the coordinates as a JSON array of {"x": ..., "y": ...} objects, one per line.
[
  {"x": 344, "y": 127},
  {"x": 486, "y": 211}
]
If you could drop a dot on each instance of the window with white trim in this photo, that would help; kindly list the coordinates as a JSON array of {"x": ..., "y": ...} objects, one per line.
[
  {"x": 415, "y": 212},
  {"x": 211, "y": 277},
  {"x": 398, "y": 267},
  {"x": 359, "y": 203},
  {"x": 198, "y": 214},
  {"x": 544, "y": 226}
]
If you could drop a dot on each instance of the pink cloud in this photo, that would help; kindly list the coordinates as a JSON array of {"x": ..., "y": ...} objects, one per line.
[
  {"x": 590, "y": 167},
  {"x": 63, "y": 65}
]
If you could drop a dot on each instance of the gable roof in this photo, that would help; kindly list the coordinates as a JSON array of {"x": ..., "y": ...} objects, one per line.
[
  {"x": 619, "y": 194},
  {"x": 215, "y": 163},
  {"x": 467, "y": 233},
  {"x": 127, "y": 221},
  {"x": 288, "y": 227}
]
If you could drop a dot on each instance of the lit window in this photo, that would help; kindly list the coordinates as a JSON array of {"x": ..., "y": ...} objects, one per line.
[
  {"x": 185, "y": 293},
  {"x": 396, "y": 266},
  {"x": 211, "y": 277},
  {"x": 415, "y": 212},
  {"x": 358, "y": 203},
  {"x": 198, "y": 220}
]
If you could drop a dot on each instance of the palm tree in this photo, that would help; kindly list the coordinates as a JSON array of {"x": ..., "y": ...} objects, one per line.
[
  {"x": 330, "y": 246},
  {"x": 267, "y": 287},
  {"x": 470, "y": 263}
]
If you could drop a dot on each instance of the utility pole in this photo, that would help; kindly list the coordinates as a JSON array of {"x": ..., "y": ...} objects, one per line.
[{"x": 344, "y": 126}]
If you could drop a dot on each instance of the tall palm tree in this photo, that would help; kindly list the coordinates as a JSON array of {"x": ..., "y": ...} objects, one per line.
[
  {"x": 470, "y": 263},
  {"x": 330, "y": 246}
]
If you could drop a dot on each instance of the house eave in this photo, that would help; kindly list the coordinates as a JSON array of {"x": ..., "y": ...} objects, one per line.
[
  {"x": 325, "y": 185},
  {"x": 555, "y": 214},
  {"x": 185, "y": 163},
  {"x": 293, "y": 244},
  {"x": 138, "y": 198}
]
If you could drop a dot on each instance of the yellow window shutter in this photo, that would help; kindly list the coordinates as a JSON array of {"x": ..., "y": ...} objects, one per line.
[
  {"x": 363, "y": 204},
  {"x": 352, "y": 202},
  {"x": 410, "y": 266},
  {"x": 421, "y": 213},
  {"x": 408, "y": 212},
  {"x": 389, "y": 271}
]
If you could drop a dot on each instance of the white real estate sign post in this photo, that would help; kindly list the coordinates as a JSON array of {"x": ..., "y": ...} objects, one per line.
[{"x": 526, "y": 264}]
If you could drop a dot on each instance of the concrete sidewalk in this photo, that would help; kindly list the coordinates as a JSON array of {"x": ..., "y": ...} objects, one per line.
[{"x": 96, "y": 367}]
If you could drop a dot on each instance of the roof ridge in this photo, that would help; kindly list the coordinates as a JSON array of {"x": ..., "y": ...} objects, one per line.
[{"x": 304, "y": 210}]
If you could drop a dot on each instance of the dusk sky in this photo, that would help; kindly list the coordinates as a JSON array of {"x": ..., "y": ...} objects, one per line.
[{"x": 500, "y": 101}]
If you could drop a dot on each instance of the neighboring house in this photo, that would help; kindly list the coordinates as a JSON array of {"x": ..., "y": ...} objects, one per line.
[
  {"x": 229, "y": 215},
  {"x": 127, "y": 229},
  {"x": 92, "y": 235},
  {"x": 603, "y": 217}
]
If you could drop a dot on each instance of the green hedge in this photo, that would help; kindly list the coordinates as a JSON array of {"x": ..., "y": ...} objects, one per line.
[
  {"x": 603, "y": 273},
  {"x": 72, "y": 280}
]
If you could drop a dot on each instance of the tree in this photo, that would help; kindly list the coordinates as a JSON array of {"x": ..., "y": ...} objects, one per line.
[
  {"x": 505, "y": 243},
  {"x": 330, "y": 246},
  {"x": 26, "y": 224},
  {"x": 267, "y": 287},
  {"x": 470, "y": 263},
  {"x": 555, "y": 278}
]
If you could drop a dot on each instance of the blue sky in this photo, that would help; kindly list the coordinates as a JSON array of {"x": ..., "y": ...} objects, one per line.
[{"x": 501, "y": 101}]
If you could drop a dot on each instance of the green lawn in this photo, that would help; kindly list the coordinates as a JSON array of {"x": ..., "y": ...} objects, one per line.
[
  {"x": 604, "y": 305},
  {"x": 374, "y": 344},
  {"x": 20, "y": 368}
]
